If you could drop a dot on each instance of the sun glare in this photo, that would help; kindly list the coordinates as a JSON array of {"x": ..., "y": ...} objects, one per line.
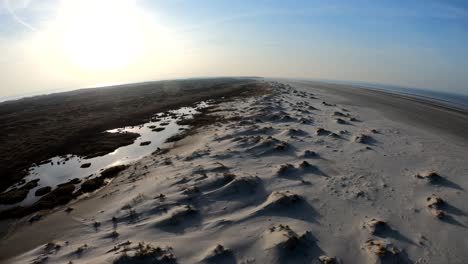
[
  {"x": 101, "y": 34},
  {"x": 97, "y": 41}
]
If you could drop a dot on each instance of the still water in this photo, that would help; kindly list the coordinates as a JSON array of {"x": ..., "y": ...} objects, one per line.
[{"x": 62, "y": 169}]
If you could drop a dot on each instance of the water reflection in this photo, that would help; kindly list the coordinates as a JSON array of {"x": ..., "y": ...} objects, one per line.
[{"x": 152, "y": 135}]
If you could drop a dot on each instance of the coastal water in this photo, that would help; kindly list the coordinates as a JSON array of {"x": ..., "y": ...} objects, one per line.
[
  {"x": 450, "y": 99},
  {"x": 62, "y": 169}
]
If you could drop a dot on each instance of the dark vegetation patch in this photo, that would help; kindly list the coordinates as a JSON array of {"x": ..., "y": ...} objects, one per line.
[
  {"x": 64, "y": 193},
  {"x": 16, "y": 195},
  {"x": 145, "y": 143},
  {"x": 92, "y": 185},
  {"x": 42, "y": 191},
  {"x": 13, "y": 196},
  {"x": 85, "y": 165},
  {"x": 113, "y": 171}
]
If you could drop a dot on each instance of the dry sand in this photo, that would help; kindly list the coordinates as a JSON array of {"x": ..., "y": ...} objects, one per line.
[{"x": 309, "y": 174}]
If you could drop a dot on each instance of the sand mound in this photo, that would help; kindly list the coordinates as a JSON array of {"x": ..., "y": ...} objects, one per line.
[
  {"x": 239, "y": 186},
  {"x": 258, "y": 130},
  {"x": 146, "y": 253},
  {"x": 216, "y": 182},
  {"x": 337, "y": 113},
  {"x": 340, "y": 121},
  {"x": 289, "y": 247},
  {"x": 245, "y": 123},
  {"x": 294, "y": 132},
  {"x": 219, "y": 254},
  {"x": 177, "y": 215},
  {"x": 81, "y": 250},
  {"x": 383, "y": 251},
  {"x": 310, "y": 154},
  {"x": 375, "y": 226},
  {"x": 322, "y": 132},
  {"x": 327, "y": 260},
  {"x": 258, "y": 142},
  {"x": 363, "y": 139},
  {"x": 51, "y": 248},
  {"x": 247, "y": 140},
  {"x": 269, "y": 141},
  {"x": 327, "y": 104},
  {"x": 305, "y": 165},
  {"x": 191, "y": 191},
  {"x": 280, "y": 200},
  {"x": 282, "y": 146},
  {"x": 435, "y": 203},
  {"x": 216, "y": 167},
  {"x": 287, "y": 118},
  {"x": 182, "y": 180},
  {"x": 268, "y": 145},
  {"x": 285, "y": 169},
  {"x": 380, "y": 247},
  {"x": 253, "y": 130},
  {"x": 280, "y": 116},
  {"x": 429, "y": 176},
  {"x": 197, "y": 154}
]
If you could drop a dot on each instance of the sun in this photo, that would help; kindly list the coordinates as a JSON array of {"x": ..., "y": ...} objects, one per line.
[{"x": 101, "y": 34}]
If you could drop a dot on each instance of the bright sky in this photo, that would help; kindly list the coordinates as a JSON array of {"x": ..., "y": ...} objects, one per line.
[{"x": 64, "y": 44}]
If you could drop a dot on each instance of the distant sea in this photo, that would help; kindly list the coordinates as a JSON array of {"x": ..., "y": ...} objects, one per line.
[
  {"x": 54, "y": 91},
  {"x": 450, "y": 99},
  {"x": 20, "y": 96}
]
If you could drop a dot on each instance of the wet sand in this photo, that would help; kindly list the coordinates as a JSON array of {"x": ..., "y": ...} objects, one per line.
[{"x": 413, "y": 111}]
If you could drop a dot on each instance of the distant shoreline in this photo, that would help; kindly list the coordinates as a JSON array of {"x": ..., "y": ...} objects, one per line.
[
  {"x": 439, "y": 98},
  {"x": 415, "y": 111},
  {"x": 13, "y": 98}
]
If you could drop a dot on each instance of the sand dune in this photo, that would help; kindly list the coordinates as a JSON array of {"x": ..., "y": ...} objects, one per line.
[{"x": 299, "y": 175}]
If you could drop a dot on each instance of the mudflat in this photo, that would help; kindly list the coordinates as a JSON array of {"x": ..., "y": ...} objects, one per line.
[{"x": 38, "y": 128}]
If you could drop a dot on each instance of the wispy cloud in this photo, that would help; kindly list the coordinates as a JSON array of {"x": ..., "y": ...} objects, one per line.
[{"x": 11, "y": 9}]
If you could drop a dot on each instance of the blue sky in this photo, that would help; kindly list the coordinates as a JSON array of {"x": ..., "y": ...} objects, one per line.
[{"x": 409, "y": 43}]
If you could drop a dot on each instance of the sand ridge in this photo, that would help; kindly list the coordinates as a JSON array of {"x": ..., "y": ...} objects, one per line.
[{"x": 284, "y": 182}]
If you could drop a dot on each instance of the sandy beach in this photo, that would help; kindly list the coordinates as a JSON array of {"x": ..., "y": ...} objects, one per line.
[{"x": 304, "y": 173}]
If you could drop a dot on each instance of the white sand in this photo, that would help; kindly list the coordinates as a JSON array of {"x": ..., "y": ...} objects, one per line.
[{"x": 227, "y": 186}]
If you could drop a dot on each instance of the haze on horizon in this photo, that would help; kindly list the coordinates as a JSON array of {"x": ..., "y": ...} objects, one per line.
[{"x": 56, "y": 44}]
